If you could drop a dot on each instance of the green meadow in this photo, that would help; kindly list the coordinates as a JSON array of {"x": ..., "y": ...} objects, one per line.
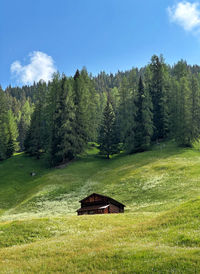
[{"x": 158, "y": 233}]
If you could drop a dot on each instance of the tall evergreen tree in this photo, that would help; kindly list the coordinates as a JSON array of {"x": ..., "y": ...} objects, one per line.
[
  {"x": 24, "y": 122},
  {"x": 173, "y": 107},
  {"x": 182, "y": 130},
  {"x": 35, "y": 139},
  {"x": 62, "y": 142},
  {"x": 129, "y": 138},
  {"x": 3, "y": 125},
  {"x": 90, "y": 105},
  {"x": 125, "y": 101},
  {"x": 194, "y": 105},
  {"x": 8, "y": 129},
  {"x": 158, "y": 88},
  {"x": 108, "y": 141},
  {"x": 81, "y": 102},
  {"x": 143, "y": 119},
  {"x": 12, "y": 144}
]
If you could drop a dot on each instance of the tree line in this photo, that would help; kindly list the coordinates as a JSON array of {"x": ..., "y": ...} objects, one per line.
[{"x": 126, "y": 111}]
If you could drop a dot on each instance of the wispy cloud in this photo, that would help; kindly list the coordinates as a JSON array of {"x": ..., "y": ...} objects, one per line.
[
  {"x": 41, "y": 67},
  {"x": 186, "y": 14}
]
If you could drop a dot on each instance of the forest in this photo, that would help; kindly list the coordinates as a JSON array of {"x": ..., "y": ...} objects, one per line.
[{"x": 126, "y": 111}]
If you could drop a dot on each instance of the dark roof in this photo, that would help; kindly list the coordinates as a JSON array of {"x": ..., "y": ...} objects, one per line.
[
  {"x": 95, "y": 207},
  {"x": 111, "y": 199}
]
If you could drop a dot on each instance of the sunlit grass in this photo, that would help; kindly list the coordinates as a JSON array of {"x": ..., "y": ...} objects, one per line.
[
  {"x": 159, "y": 232},
  {"x": 125, "y": 243},
  {"x": 154, "y": 181}
]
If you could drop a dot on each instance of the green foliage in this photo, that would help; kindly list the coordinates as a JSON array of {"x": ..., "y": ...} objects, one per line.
[
  {"x": 194, "y": 107},
  {"x": 141, "y": 131},
  {"x": 82, "y": 112},
  {"x": 62, "y": 116},
  {"x": 126, "y": 106},
  {"x": 72, "y": 112},
  {"x": 68, "y": 111},
  {"x": 182, "y": 132},
  {"x": 3, "y": 126},
  {"x": 8, "y": 129},
  {"x": 158, "y": 87},
  {"x": 36, "y": 135},
  {"x": 24, "y": 123},
  {"x": 12, "y": 145},
  {"x": 108, "y": 141}
]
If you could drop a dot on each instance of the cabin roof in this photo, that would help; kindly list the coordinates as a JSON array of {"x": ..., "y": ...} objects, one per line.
[
  {"x": 95, "y": 207},
  {"x": 111, "y": 199}
]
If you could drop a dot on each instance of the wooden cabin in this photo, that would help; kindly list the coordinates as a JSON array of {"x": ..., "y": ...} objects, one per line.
[{"x": 99, "y": 204}]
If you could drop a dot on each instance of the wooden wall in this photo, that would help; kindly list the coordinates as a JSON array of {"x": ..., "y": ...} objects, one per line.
[{"x": 114, "y": 209}]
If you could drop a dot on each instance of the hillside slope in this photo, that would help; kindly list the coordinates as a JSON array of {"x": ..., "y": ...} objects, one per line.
[
  {"x": 159, "y": 232},
  {"x": 152, "y": 181},
  {"x": 125, "y": 243}
]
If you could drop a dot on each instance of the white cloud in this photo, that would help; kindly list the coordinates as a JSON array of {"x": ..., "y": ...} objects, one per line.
[
  {"x": 186, "y": 14},
  {"x": 41, "y": 67}
]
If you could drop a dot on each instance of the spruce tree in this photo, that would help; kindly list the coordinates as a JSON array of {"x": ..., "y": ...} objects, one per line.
[
  {"x": 129, "y": 137},
  {"x": 90, "y": 104},
  {"x": 194, "y": 105},
  {"x": 158, "y": 89},
  {"x": 108, "y": 141},
  {"x": 8, "y": 129},
  {"x": 3, "y": 125},
  {"x": 183, "y": 119},
  {"x": 12, "y": 144},
  {"x": 36, "y": 137},
  {"x": 24, "y": 123},
  {"x": 143, "y": 119},
  {"x": 125, "y": 93},
  {"x": 173, "y": 107},
  {"x": 81, "y": 104},
  {"x": 63, "y": 137},
  {"x": 54, "y": 125}
]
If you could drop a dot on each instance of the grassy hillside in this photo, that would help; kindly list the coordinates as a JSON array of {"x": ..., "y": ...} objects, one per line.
[{"x": 159, "y": 231}]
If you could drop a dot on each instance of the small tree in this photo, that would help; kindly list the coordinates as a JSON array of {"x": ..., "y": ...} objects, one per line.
[{"x": 108, "y": 137}]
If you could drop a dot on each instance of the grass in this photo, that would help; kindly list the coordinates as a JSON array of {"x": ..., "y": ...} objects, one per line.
[{"x": 159, "y": 232}]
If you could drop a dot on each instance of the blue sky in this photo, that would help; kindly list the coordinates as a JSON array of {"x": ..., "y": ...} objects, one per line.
[{"x": 40, "y": 36}]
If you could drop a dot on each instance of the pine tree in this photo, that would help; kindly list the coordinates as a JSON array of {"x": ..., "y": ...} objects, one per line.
[
  {"x": 52, "y": 111},
  {"x": 72, "y": 115},
  {"x": 173, "y": 107},
  {"x": 12, "y": 144},
  {"x": 129, "y": 137},
  {"x": 81, "y": 103},
  {"x": 194, "y": 105},
  {"x": 182, "y": 130},
  {"x": 158, "y": 89},
  {"x": 63, "y": 137},
  {"x": 108, "y": 141},
  {"x": 143, "y": 119},
  {"x": 124, "y": 110},
  {"x": 8, "y": 129},
  {"x": 67, "y": 146},
  {"x": 3, "y": 125},
  {"x": 35, "y": 139},
  {"x": 90, "y": 102},
  {"x": 24, "y": 123}
]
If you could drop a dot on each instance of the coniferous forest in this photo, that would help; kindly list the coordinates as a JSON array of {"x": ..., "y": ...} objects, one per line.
[{"x": 125, "y": 111}]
